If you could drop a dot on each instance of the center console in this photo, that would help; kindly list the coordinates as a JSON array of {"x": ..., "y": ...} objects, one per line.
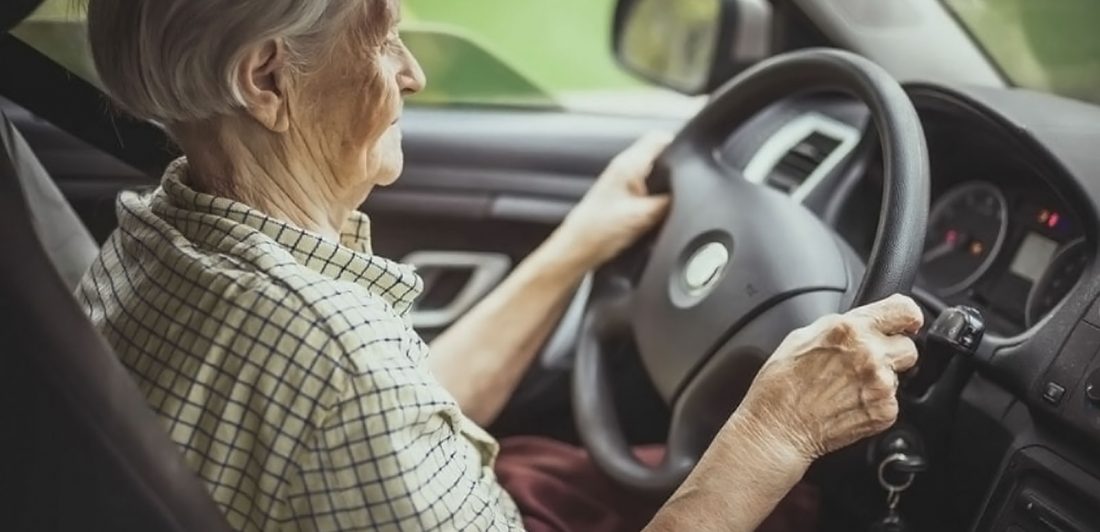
[
  {"x": 1042, "y": 492},
  {"x": 1049, "y": 477}
]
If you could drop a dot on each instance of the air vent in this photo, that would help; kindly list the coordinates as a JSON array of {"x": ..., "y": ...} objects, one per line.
[
  {"x": 801, "y": 162},
  {"x": 802, "y": 153}
]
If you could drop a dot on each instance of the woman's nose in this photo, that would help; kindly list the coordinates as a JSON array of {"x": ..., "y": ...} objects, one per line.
[{"x": 411, "y": 79}]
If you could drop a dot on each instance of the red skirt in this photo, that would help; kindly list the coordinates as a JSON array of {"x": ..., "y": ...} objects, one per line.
[{"x": 558, "y": 489}]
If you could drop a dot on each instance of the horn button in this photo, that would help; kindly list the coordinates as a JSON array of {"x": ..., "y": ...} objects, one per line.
[{"x": 704, "y": 267}]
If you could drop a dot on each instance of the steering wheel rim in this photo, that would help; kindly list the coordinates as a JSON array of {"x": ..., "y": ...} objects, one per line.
[{"x": 741, "y": 316}]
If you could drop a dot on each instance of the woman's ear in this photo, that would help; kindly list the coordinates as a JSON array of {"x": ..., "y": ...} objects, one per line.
[{"x": 262, "y": 77}]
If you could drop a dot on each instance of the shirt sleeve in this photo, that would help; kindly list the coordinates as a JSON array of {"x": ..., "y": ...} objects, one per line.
[{"x": 395, "y": 454}]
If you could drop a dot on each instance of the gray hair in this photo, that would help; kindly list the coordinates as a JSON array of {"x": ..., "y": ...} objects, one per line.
[{"x": 176, "y": 61}]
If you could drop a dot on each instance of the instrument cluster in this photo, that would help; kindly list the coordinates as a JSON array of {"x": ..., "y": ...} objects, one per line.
[{"x": 1015, "y": 252}]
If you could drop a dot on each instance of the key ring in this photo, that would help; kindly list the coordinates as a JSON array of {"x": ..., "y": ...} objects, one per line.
[{"x": 896, "y": 457}]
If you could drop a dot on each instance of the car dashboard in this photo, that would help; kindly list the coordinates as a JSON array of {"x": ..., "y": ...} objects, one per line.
[
  {"x": 1013, "y": 232},
  {"x": 1005, "y": 230},
  {"x": 1002, "y": 236}
]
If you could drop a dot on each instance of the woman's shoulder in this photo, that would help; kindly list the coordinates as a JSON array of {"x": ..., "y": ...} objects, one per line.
[{"x": 334, "y": 303}]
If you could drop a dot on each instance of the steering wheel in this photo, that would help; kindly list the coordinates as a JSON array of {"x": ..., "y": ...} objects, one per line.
[{"x": 737, "y": 266}]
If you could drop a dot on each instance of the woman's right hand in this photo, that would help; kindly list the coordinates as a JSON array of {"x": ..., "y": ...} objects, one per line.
[
  {"x": 835, "y": 382},
  {"x": 827, "y": 386}
]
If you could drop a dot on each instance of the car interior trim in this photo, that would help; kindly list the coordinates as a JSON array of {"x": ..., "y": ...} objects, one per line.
[
  {"x": 486, "y": 270},
  {"x": 790, "y": 135}
]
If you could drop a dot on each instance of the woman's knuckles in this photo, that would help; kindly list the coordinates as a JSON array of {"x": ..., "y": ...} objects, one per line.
[{"x": 841, "y": 333}]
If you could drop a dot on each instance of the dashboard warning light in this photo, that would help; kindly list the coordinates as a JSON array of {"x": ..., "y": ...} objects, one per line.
[
  {"x": 1053, "y": 221},
  {"x": 976, "y": 248},
  {"x": 1044, "y": 216}
]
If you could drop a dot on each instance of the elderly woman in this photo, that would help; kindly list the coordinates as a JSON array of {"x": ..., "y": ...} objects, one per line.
[{"x": 244, "y": 297}]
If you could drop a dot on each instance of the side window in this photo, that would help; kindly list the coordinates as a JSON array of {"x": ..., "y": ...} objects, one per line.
[
  {"x": 460, "y": 72},
  {"x": 561, "y": 48},
  {"x": 542, "y": 54}
]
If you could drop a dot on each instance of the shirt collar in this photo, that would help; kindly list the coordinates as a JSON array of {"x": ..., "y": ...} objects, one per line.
[{"x": 349, "y": 260}]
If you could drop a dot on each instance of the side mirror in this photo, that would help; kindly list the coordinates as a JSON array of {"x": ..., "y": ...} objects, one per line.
[{"x": 691, "y": 46}]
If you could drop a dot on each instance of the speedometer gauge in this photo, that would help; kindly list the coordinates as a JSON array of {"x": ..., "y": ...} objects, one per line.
[{"x": 967, "y": 228}]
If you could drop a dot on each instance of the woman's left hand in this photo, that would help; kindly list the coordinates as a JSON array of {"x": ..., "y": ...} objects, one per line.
[{"x": 618, "y": 209}]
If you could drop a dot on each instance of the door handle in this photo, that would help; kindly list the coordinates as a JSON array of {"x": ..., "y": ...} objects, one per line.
[{"x": 485, "y": 271}]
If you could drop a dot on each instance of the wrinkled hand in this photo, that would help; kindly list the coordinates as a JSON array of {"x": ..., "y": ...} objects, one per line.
[
  {"x": 618, "y": 209},
  {"x": 835, "y": 382}
]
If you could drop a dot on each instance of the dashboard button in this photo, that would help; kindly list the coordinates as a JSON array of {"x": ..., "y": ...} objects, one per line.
[
  {"x": 1092, "y": 388},
  {"x": 1053, "y": 393},
  {"x": 1071, "y": 365}
]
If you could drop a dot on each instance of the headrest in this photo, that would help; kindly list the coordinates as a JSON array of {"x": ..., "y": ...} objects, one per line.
[{"x": 12, "y": 12}]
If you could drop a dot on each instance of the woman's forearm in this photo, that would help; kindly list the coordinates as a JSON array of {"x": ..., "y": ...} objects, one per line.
[
  {"x": 483, "y": 356},
  {"x": 737, "y": 483}
]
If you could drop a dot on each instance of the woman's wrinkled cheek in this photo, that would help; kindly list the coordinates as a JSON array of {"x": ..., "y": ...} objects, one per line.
[
  {"x": 368, "y": 107},
  {"x": 382, "y": 138},
  {"x": 357, "y": 102},
  {"x": 357, "y": 115}
]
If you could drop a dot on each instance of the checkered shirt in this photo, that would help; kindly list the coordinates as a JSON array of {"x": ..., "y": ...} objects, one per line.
[{"x": 284, "y": 366}]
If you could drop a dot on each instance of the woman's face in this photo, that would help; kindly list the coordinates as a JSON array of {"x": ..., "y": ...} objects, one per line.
[{"x": 353, "y": 103}]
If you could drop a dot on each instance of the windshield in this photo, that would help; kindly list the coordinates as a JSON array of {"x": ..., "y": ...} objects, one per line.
[{"x": 1047, "y": 45}]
